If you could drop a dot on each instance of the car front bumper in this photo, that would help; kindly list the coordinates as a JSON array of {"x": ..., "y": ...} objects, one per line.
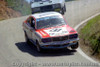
[{"x": 59, "y": 44}]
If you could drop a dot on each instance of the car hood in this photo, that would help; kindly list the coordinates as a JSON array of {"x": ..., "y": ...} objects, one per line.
[{"x": 56, "y": 31}]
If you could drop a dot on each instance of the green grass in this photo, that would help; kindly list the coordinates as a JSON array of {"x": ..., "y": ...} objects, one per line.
[
  {"x": 90, "y": 34},
  {"x": 19, "y": 5}
]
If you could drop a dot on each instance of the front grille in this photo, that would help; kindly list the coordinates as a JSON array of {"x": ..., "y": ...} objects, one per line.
[
  {"x": 60, "y": 38},
  {"x": 72, "y": 36}
]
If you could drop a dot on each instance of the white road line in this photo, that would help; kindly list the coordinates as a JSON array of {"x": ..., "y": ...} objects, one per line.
[{"x": 79, "y": 49}]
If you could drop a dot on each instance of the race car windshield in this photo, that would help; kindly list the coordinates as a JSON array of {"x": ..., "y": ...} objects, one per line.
[
  {"x": 52, "y": 21},
  {"x": 36, "y": 0}
]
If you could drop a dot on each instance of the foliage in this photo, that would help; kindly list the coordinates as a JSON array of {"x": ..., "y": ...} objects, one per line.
[
  {"x": 19, "y": 5},
  {"x": 91, "y": 34}
]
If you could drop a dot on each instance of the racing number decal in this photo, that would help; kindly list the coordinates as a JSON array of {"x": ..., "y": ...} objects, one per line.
[{"x": 55, "y": 30}]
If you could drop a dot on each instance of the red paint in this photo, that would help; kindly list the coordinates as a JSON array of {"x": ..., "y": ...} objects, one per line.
[{"x": 46, "y": 35}]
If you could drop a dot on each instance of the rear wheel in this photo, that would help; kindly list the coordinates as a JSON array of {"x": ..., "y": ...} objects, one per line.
[{"x": 75, "y": 46}]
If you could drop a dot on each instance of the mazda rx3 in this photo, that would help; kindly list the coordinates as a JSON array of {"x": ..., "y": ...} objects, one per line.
[{"x": 49, "y": 30}]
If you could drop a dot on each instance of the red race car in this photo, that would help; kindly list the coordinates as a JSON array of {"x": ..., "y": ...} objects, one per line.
[{"x": 49, "y": 30}]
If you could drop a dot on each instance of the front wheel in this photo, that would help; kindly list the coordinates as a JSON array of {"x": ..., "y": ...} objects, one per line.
[
  {"x": 26, "y": 39},
  {"x": 32, "y": 12},
  {"x": 62, "y": 11},
  {"x": 75, "y": 46},
  {"x": 65, "y": 8},
  {"x": 39, "y": 49}
]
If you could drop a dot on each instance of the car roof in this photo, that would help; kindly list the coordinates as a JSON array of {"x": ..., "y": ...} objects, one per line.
[{"x": 46, "y": 14}]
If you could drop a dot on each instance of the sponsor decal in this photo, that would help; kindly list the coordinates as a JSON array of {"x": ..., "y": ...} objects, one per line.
[{"x": 57, "y": 31}]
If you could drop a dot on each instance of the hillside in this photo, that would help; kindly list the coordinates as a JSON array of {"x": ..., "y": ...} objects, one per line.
[
  {"x": 21, "y": 6},
  {"x": 13, "y": 8},
  {"x": 6, "y": 12}
]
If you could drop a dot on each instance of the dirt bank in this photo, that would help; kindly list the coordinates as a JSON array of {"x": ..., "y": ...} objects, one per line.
[{"x": 6, "y": 12}]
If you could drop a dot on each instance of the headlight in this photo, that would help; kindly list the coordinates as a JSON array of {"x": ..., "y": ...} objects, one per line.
[
  {"x": 56, "y": 6},
  {"x": 46, "y": 40},
  {"x": 73, "y": 36}
]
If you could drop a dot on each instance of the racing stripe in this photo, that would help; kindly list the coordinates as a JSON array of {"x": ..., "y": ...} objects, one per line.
[{"x": 45, "y": 34}]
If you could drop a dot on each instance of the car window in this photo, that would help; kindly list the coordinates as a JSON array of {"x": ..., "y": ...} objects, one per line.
[
  {"x": 37, "y": 0},
  {"x": 45, "y": 0},
  {"x": 51, "y": 21},
  {"x": 40, "y": 0},
  {"x": 32, "y": 22},
  {"x": 28, "y": 21}
]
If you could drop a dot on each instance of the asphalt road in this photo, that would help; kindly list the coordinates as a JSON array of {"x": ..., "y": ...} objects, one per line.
[{"x": 14, "y": 52}]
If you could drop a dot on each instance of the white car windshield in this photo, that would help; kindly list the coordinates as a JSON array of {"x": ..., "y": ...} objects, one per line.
[
  {"x": 51, "y": 21},
  {"x": 40, "y": 0}
]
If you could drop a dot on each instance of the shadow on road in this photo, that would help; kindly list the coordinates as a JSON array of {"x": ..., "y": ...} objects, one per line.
[{"x": 24, "y": 47}]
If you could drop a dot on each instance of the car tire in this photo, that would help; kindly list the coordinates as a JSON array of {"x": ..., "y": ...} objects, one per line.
[
  {"x": 75, "y": 46},
  {"x": 62, "y": 11},
  {"x": 39, "y": 49},
  {"x": 32, "y": 12},
  {"x": 26, "y": 39},
  {"x": 65, "y": 8}
]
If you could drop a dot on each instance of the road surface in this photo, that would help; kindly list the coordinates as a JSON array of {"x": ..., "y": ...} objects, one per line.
[{"x": 14, "y": 52}]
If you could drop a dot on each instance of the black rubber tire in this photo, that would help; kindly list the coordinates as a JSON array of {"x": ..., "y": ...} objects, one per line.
[
  {"x": 39, "y": 49},
  {"x": 32, "y": 12},
  {"x": 62, "y": 11},
  {"x": 26, "y": 39},
  {"x": 73, "y": 47},
  {"x": 64, "y": 8}
]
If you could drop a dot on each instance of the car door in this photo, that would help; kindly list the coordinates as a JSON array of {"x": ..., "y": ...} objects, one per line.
[
  {"x": 32, "y": 30},
  {"x": 28, "y": 27}
]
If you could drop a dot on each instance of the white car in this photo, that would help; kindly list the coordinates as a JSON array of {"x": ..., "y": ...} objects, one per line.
[
  {"x": 48, "y": 5},
  {"x": 49, "y": 30}
]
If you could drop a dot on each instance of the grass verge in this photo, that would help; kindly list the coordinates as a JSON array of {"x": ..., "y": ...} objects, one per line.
[{"x": 90, "y": 36}]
